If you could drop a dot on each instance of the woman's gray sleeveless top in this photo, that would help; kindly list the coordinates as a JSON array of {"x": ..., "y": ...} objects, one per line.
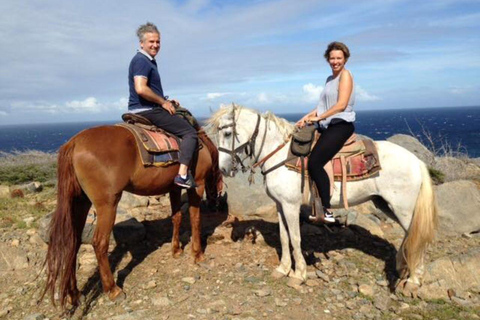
[{"x": 329, "y": 98}]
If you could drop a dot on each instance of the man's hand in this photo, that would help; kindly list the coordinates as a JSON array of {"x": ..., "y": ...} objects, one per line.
[{"x": 167, "y": 105}]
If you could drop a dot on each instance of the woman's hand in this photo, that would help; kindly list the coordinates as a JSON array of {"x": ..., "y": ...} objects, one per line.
[
  {"x": 301, "y": 123},
  {"x": 313, "y": 119}
]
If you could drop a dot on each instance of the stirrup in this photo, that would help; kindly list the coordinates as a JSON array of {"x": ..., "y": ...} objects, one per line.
[{"x": 317, "y": 212}]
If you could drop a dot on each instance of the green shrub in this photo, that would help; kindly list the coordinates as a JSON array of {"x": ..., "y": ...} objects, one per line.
[
  {"x": 438, "y": 177},
  {"x": 27, "y": 166}
]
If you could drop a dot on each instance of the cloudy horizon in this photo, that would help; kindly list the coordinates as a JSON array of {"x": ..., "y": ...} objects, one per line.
[{"x": 67, "y": 61}]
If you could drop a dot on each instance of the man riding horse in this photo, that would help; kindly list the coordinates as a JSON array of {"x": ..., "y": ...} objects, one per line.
[{"x": 147, "y": 99}]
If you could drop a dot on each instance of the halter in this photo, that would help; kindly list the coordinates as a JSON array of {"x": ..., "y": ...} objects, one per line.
[{"x": 249, "y": 146}]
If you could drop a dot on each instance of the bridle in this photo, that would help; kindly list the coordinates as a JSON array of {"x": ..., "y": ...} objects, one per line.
[{"x": 249, "y": 146}]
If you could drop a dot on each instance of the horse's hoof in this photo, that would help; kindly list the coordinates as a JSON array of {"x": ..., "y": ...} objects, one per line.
[
  {"x": 294, "y": 283},
  {"x": 277, "y": 274},
  {"x": 199, "y": 257},
  {"x": 116, "y": 294},
  {"x": 74, "y": 300},
  {"x": 177, "y": 253},
  {"x": 408, "y": 288}
]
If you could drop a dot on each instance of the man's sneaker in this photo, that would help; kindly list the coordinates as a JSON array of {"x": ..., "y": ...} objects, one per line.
[
  {"x": 186, "y": 183},
  {"x": 328, "y": 216}
]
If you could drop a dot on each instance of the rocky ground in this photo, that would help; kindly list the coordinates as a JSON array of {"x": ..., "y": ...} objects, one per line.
[{"x": 351, "y": 271}]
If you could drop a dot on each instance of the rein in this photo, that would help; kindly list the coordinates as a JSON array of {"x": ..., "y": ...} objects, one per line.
[{"x": 250, "y": 144}]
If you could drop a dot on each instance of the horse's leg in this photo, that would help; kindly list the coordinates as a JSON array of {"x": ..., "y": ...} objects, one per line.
[
  {"x": 292, "y": 216},
  {"x": 175, "y": 204},
  {"x": 101, "y": 238},
  {"x": 417, "y": 213},
  {"x": 194, "y": 199},
  {"x": 286, "y": 261},
  {"x": 81, "y": 206}
]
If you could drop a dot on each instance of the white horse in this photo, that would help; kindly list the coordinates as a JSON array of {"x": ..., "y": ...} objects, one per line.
[{"x": 245, "y": 137}]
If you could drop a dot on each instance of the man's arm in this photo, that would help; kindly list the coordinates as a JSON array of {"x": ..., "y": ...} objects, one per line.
[{"x": 144, "y": 91}]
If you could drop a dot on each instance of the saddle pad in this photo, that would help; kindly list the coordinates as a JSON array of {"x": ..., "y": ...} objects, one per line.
[
  {"x": 156, "y": 148},
  {"x": 361, "y": 160}
]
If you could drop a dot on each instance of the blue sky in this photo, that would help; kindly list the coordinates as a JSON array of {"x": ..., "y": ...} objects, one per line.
[{"x": 68, "y": 60}]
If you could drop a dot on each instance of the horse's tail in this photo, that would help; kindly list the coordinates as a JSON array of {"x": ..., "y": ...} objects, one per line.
[
  {"x": 214, "y": 180},
  {"x": 422, "y": 228},
  {"x": 63, "y": 238}
]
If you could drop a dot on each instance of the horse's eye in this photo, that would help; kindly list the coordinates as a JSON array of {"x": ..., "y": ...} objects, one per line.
[{"x": 227, "y": 134}]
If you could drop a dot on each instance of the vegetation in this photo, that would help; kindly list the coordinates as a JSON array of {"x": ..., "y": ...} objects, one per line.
[
  {"x": 27, "y": 166},
  {"x": 437, "y": 176}
]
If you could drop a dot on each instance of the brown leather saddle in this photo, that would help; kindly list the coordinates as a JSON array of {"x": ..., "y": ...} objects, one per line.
[
  {"x": 357, "y": 160},
  {"x": 156, "y": 146}
]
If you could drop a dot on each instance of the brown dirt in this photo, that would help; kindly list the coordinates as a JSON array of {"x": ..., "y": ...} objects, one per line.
[{"x": 234, "y": 281}]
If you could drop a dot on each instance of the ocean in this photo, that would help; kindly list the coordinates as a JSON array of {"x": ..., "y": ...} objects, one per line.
[{"x": 455, "y": 129}]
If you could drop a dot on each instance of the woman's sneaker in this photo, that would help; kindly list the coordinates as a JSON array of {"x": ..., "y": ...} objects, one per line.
[
  {"x": 186, "y": 183},
  {"x": 328, "y": 216}
]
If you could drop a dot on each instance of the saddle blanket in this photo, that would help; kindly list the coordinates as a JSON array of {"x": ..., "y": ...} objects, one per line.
[
  {"x": 156, "y": 147},
  {"x": 360, "y": 157}
]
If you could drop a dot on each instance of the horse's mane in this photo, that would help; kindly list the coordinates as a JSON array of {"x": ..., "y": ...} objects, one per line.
[{"x": 283, "y": 125}]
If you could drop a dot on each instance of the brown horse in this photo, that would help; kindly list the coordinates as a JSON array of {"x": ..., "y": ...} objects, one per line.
[{"x": 95, "y": 167}]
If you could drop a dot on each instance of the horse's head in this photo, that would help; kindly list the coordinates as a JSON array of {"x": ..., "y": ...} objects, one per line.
[{"x": 237, "y": 128}]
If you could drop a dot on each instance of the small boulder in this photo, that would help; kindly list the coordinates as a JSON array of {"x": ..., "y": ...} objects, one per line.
[
  {"x": 458, "y": 204},
  {"x": 451, "y": 274},
  {"x": 457, "y": 169},
  {"x": 414, "y": 146},
  {"x": 32, "y": 187}
]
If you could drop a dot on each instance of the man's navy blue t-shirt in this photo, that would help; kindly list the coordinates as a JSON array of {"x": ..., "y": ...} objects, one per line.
[{"x": 142, "y": 66}]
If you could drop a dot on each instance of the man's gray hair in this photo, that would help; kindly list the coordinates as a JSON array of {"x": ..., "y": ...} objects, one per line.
[{"x": 146, "y": 28}]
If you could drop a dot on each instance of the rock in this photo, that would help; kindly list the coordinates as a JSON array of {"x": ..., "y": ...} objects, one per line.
[
  {"x": 20, "y": 262},
  {"x": 130, "y": 200},
  {"x": 366, "y": 290},
  {"x": 161, "y": 301},
  {"x": 189, "y": 280},
  {"x": 262, "y": 292},
  {"x": 32, "y": 187},
  {"x": 36, "y": 240},
  {"x": 457, "y": 169},
  {"x": 458, "y": 204},
  {"x": 4, "y": 191},
  {"x": 414, "y": 146},
  {"x": 322, "y": 276},
  {"x": 259, "y": 205},
  {"x": 127, "y": 231},
  {"x": 150, "y": 285},
  {"x": 280, "y": 303},
  {"x": 382, "y": 303},
  {"x": 458, "y": 273},
  {"x": 15, "y": 243},
  {"x": 364, "y": 222}
]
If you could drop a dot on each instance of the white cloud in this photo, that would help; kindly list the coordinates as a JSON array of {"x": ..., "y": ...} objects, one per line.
[
  {"x": 263, "y": 98},
  {"x": 3, "y": 113},
  {"x": 462, "y": 90},
  {"x": 311, "y": 92},
  {"x": 215, "y": 95},
  {"x": 88, "y": 106},
  {"x": 362, "y": 95}
]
